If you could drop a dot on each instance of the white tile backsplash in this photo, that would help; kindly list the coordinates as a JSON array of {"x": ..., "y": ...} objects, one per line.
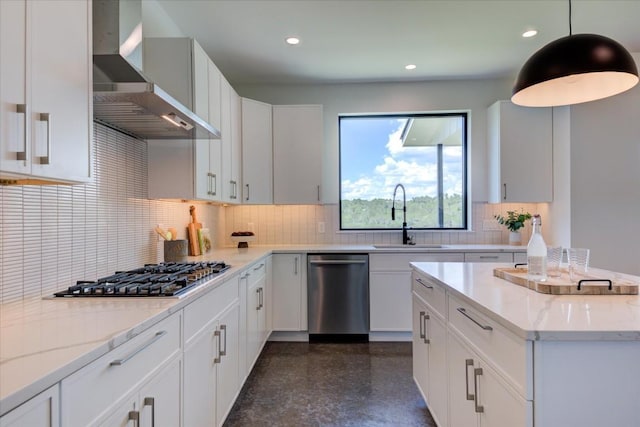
[
  {"x": 298, "y": 224},
  {"x": 52, "y": 236}
]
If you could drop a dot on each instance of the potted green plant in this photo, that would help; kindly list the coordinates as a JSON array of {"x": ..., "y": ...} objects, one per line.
[{"x": 514, "y": 222}]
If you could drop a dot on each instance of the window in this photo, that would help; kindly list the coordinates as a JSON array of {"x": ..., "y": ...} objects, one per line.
[{"x": 426, "y": 153}]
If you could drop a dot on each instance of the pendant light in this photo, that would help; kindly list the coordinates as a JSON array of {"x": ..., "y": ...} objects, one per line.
[{"x": 575, "y": 69}]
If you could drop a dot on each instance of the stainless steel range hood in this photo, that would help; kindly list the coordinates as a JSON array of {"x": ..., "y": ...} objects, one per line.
[{"x": 123, "y": 98}]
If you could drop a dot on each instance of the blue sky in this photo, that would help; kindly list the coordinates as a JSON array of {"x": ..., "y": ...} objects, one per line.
[{"x": 382, "y": 161}]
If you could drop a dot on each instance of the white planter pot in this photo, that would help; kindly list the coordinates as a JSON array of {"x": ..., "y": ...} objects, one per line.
[{"x": 515, "y": 238}]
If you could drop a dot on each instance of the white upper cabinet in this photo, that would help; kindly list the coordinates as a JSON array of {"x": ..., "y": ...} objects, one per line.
[
  {"x": 520, "y": 144},
  {"x": 297, "y": 154},
  {"x": 45, "y": 91},
  {"x": 184, "y": 70},
  {"x": 257, "y": 152},
  {"x": 230, "y": 130}
]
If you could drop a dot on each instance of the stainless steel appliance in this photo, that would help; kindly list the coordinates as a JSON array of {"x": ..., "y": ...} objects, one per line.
[
  {"x": 153, "y": 280},
  {"x": 338, "y": 297}
]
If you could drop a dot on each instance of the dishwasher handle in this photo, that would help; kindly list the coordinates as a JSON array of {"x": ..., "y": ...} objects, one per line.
[{"x": 338, "y": 261}]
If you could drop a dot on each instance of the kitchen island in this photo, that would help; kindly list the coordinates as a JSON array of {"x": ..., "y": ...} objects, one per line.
[{"x": 489, "y": 352}]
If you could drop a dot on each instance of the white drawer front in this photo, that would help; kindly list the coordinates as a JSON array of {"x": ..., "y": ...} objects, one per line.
[
  {"x": 207, "y": 307},
  {"x": 432, "y": 293},
  {"x": 256, "y": 272},
  {"x": 87, "y": 393},
  {"x": 509, "y": 354},
  {"x": 488, "y": 257},
  {"x": 400, "y": 262}
]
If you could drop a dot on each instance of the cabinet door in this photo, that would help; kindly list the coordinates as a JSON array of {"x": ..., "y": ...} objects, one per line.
[
  {"x": 297, "y": 154},
  {"x": 502, "y": 406},
  {"x": 236, "y": 144},
  {"x": 15, "y": 149},
  {"x": 159, "y": 399},
  {"x": 124, "y": 414},
  {"x": 41, "y": 411},
  {"x": 257, "y": 152},
  {"x": 520, "y": 142},
  {"x": 200, "y": 82},
  {"x": 390, "y": 301},
  {"x": 215, "y": 78},
  {"x": 437, "y": 378},
  {"x": 462, "y": 404},
  {"x": 227, "y": 380},
  {"x": 228, "y": 186},
  {"x": 254, "y": 319},
  {"x": 61, "y": 131},
  {"x": 287, "y": 293},
  {"x": 200, "y": 379},
  {"x": 420, "y": 352}
]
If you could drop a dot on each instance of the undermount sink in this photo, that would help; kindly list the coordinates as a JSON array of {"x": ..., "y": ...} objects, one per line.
[{"x": 401, "y": 246}]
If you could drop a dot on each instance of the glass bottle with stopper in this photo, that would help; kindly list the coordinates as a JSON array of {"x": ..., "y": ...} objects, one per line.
[{"x": 537, "y": 253}]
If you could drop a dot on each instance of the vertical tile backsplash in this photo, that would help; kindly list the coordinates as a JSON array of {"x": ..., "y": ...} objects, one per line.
[
  {"x": 280, "y": 224},
  {"x": 52, "y": 236}
]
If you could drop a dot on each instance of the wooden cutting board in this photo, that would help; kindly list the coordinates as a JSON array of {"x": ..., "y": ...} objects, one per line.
[
  {"x": 563, "y": 286},
  {"x": 192, "y": 232}
]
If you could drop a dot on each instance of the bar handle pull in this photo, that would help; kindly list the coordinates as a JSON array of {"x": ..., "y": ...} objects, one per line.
[
  {"x": 135, "y": 417},
  {"x": 419, "y": 280},
  {"x": 120, "y": 362},
  {"x": 426, "y": 340},
  {"x": 295, "y": 266},
  {"x": 422, "y": 324},
  {"x": 224, "y": 328},
  {"x": 476, "y": 373},
  {"x": 247, "y": 198},
  {"x": 217, "y": 335},
  {"x": 150, "y": 401},
  {"x": 22, "y": 109},
  {"x": 467, "y": 363},
  {"x": 46, "y": 159},
  {"x": 504, "y": 196},
  {"x": 464, "y": 312}
]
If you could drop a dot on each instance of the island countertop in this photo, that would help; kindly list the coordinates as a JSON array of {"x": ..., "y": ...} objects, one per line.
[{"x": 536, "y": 316}]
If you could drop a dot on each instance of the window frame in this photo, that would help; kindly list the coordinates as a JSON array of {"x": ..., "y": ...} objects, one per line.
[{"x": 464, "y": 115}]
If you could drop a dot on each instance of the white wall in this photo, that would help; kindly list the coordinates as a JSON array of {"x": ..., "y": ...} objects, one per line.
[
  {"x": 605, "y": 180},
  {"x": 474, "y": 95}
]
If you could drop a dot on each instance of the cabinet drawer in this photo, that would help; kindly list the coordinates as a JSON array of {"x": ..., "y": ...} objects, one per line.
[
  {"x": 507, "y": 353},
  {"x": 90, "y": 391},
  {"x": 432, "y": 293},
  {"x": 256, "y": 272},
  {"x": 207, "y": 307},
  {"x": 488, "y": 257},
  {"x": 400, "y": 262}
]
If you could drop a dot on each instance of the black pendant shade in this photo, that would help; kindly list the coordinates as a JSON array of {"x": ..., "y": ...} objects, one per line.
[{"x": 575, "y": 69}]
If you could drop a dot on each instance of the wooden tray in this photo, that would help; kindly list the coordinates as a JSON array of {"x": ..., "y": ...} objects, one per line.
[{"x": 562, "y": 286}]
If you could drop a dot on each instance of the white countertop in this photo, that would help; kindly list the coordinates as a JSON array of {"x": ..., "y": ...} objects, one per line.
[
  {"x": 537, "y": 316},
  {"x": 44, "y": 340}
]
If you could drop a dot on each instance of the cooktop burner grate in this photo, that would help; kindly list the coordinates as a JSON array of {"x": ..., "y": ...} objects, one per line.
[{"x": 159, "y": 280}]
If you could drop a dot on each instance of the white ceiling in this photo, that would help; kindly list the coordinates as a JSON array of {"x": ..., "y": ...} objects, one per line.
[{"x": 372, "y": 40}]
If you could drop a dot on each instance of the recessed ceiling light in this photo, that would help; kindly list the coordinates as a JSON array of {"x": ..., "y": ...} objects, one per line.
[
  {"x": 410, "y": 67},
  {"x": 292, "y": 40},
  {"x": 529, "y": 33}
]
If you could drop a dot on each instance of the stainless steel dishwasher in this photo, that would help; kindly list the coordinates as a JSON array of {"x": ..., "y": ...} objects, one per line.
[{"x": 338, "y": 297}]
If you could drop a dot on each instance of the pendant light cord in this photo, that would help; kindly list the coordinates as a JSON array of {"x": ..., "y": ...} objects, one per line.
[{"x": 570, "y": 29}]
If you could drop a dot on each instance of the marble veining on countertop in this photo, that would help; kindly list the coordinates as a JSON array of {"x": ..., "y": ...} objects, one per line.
[
  {"x": 537, "y": 316},
  {"x": 45, "y": 340}
]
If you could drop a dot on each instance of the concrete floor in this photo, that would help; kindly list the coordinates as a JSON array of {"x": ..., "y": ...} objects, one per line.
[{"x": 303, "y": 384}]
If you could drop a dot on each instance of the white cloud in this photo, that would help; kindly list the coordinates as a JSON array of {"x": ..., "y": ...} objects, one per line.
[{"x": 414, "y": 167}]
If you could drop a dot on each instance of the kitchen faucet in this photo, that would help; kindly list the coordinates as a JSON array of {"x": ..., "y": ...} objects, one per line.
[{"x": 406, "y": 240}]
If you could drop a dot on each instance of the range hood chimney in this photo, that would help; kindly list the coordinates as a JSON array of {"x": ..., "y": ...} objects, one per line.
[{"x": 123, "y": 98}]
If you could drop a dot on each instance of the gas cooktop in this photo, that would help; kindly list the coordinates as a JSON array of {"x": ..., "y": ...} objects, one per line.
[{"x": 153, "y": 280}]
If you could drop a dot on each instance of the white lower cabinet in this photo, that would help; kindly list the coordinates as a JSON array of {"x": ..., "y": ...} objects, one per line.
[
  {"x": 157, "y": 403},
  {"x": 478, "y": 396},
  {"x": 257, "y": 332},
  {"x": 211, "y": 356},
  {"x": 470, "y": 370},
  {"x": 93, "y": 394},
  {"x": 42, "y": 410},
  {"x": 289, "y": 292},
  {"x": 390, "y": 288}
]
